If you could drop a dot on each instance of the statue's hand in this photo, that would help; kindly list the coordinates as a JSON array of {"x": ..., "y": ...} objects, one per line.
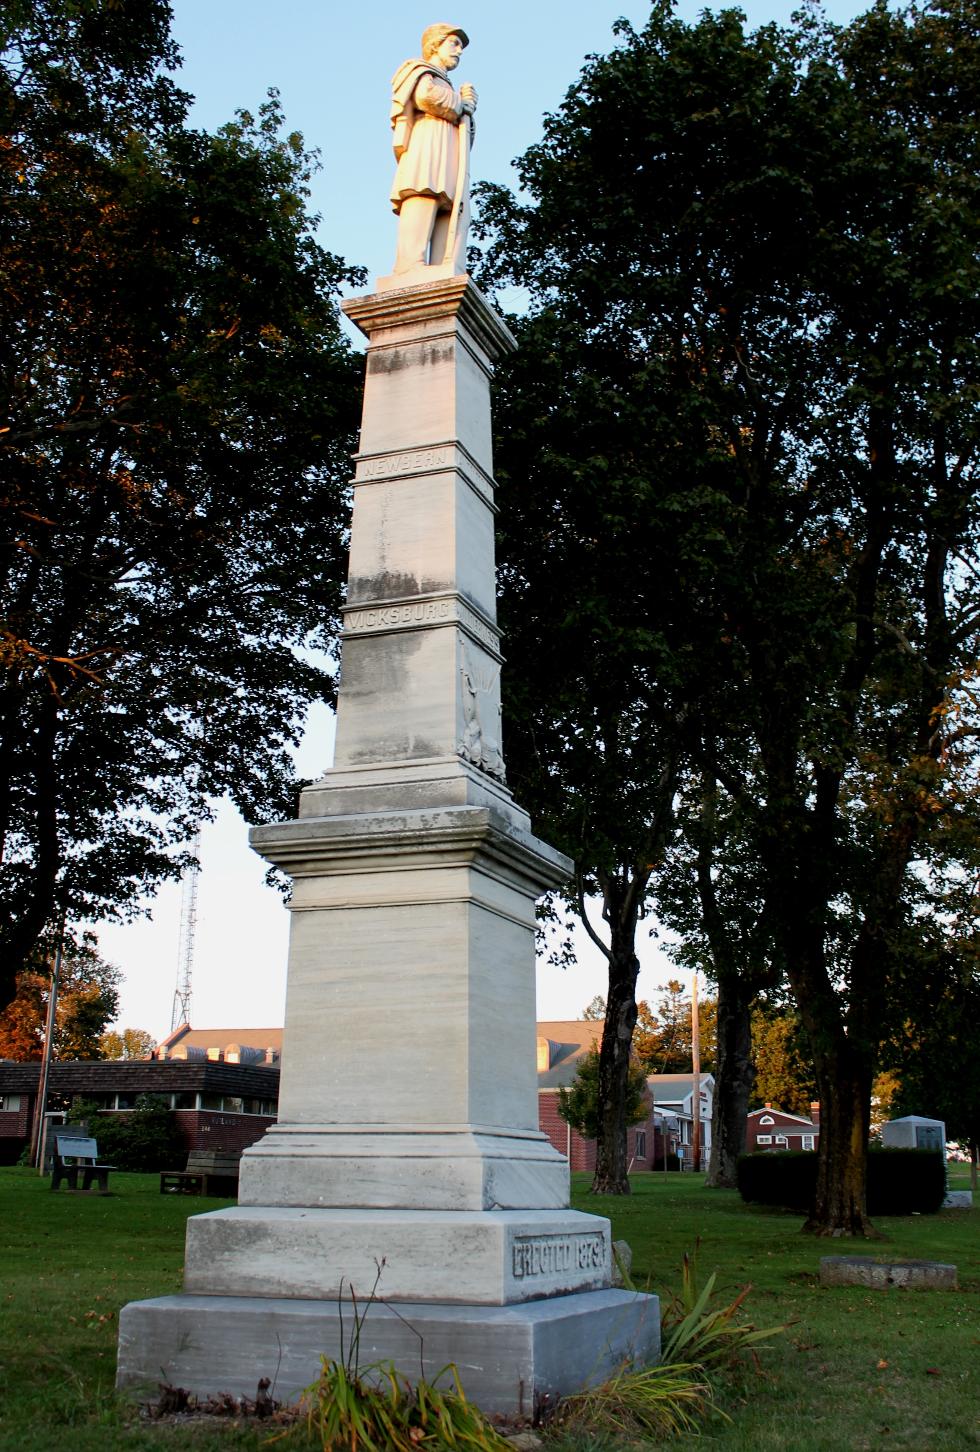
[{"x": 468, "y": 97}]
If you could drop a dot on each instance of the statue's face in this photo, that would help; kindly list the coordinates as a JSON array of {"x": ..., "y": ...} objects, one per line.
[{"x": 448, "y": 52}]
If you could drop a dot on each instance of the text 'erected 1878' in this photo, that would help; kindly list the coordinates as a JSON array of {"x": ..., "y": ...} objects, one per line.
[{"x": 548, "y": 1255}]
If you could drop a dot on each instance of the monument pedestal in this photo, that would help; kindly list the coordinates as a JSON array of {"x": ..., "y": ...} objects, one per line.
[
  {"x": 513, "y": 1361},
  {"x": 407, "y": 1150}
]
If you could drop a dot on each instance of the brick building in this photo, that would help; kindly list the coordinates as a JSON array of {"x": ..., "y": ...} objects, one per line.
[
  {"x": 223, "y": 1084},
  {"x": 219, "y": 1105},
  {"x": 562, "y": 1044}
]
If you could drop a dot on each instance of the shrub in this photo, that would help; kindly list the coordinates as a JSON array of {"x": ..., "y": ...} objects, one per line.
[
  {"x": 787, "y": 1178},
  {"x": 673, "y": 1163},
  {"x": 144, "y": 1138},
  {"x": 905, "y": 1182},
  {"x": 900, "y": 1181}
]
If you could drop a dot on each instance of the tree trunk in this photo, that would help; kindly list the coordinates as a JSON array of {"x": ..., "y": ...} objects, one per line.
[
  {"x": 611, "y": 1176},
  {"x": 840, "y": 1200},
  {"x": 733, "y": 1082}
]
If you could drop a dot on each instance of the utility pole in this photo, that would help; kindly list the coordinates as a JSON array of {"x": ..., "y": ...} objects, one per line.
[
  {"x": 696, "y": 1081},
  {"x": 37, "y": 1148}
]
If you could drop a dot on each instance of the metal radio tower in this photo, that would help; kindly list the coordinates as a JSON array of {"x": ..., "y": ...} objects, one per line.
[{"x": 185, "y": 949}]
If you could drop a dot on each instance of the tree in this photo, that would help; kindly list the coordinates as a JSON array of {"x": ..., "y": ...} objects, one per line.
[
  {"x": 932, "y": 1051},
  {"x": 663, "y": 1040},
  {"x": 88, "y": 998},
  {"x": 172, "y": 466},
  {"x": 579, "y": 1104},
  {"x": 129, "y": 1044},
  {"x": 595, "y": 1011},
  {"x": 783, "y": 1073},
  {"x": 754, "y": 290}
]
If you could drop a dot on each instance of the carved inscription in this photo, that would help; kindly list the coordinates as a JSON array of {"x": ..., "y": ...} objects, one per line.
[
  {"x": 424, "y": 612},
  {"x": 414, "y": 462},
  {"x": 551, "y": 1255},
  {"x": 473, "y": 623}
]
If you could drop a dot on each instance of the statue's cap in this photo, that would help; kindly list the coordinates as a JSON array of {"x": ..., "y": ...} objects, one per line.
[{"x": 434, "y": 35}]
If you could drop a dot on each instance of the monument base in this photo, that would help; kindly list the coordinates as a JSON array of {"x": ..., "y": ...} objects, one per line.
[
  {"x": 472, "y": 1257},
  {"x": 512, "y": 1360}
]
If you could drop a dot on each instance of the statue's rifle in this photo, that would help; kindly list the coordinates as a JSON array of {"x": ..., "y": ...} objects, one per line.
[{"x": 462, "y": 182}]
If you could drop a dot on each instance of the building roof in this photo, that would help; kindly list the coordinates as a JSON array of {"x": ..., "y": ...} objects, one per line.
[
  {"x": 213, "y": 1042},
  {"x": 562, "y": 1044},
  {"x": 142, "y": 1076},
  {"x": 674, "y": 1088},
  {"x": 800, "y": 1119}
]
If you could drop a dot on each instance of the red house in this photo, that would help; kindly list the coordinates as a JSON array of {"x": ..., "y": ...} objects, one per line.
[{"x": 775, "y": 1129}]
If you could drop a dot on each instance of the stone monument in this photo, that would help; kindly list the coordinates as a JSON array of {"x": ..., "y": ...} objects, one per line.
[{"x": 407, "y": 1150}]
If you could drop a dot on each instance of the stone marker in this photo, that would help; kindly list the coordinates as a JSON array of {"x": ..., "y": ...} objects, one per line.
[
  {"x": 958, "y": 1200},
  {"x": 878, "y": 1275},
  {"x": 407, "y": 1149}
]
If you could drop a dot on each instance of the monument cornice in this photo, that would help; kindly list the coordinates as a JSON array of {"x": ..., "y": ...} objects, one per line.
[
  {"x": 459, "y": 836},
  {"x": 457, "y": 297}
]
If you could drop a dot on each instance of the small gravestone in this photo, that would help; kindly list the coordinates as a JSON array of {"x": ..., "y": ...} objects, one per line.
[
  {"x": 881, "y": 1275},
  {"x": 958, "y": 1200}
]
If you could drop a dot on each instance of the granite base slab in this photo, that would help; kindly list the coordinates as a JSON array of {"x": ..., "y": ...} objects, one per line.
[
  {"x": 512, "y": 1360},
  {"x": 490, "y": 1257}
]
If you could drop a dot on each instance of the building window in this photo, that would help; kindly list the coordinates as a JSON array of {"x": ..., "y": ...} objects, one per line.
[
  {"x": 233, "y": 1104},
  {"x": 183, "y": 1100},
  {"x": 808, "y": 1141},
  {"x": 767, "y": 1119},
  {"x": 640, "y": 1148},
  {"x": 781, "y": 1139},
  {"x": 9, "y": 1103},
  {"x": 763, "y": 1139}
]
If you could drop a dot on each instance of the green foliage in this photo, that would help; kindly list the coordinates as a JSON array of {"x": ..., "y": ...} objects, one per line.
[
  {"x": 88, "y": 996},
  {"x": 145, "y": 1137},
  {"x": 378, "y": 1410},
  {"x": 173, "y": 507},
  {"x": 129, "y": 1044},
  {"x": 663, "y": 1038},
  {"x": 654, "y": 1401},
  {"x": 782, "y": 1064},
  {"x": 697, "y": 1330},
  {"x": 899, "y": 1181},
  {"x": 932, "y": 1049},
  {"x": 579, "y": 1104}
]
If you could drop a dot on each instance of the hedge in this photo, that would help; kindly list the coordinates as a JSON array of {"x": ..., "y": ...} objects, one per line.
[{"x": 900, "y": 1181}]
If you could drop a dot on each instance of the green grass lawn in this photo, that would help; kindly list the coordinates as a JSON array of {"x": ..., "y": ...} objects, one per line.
[{"x": 855, "y": 1370}]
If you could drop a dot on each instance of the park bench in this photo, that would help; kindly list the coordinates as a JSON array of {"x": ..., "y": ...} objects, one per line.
[
  {"x": 208, "y": 1172},
  {"x": 71, "y": 1154}
]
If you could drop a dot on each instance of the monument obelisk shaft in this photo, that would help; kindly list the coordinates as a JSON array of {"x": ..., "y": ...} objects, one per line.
[{"x": 408, "y": 1130}]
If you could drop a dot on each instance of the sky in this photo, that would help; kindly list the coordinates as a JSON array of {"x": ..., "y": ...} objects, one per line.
[{"x": 331, "y": 64}]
